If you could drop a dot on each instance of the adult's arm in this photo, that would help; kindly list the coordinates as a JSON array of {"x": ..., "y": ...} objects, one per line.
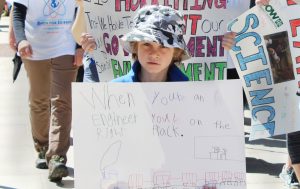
[
  {"x": 79, "y": 25},
  {"x": 11, "y": 35},
  {"x": 19, "y": 15}
]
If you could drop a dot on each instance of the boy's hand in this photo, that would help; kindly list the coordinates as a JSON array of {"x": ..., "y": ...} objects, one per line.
[
  {"x": 228, "y": 40},
  {"x": 262, "y": 2},
  {"x": 88, "y": 42}
]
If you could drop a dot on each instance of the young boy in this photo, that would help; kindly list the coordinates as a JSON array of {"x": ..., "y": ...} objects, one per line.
[{"x": 156, "y": 43}]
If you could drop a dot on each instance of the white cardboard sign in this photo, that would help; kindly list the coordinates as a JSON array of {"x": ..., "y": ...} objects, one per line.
[
  {"x": 206, "y": 23},
  {"x": 266, "y": 57},
  {"x": 159, "y": 135}
]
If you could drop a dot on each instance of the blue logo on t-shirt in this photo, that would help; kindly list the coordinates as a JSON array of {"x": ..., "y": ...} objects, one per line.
[
  {"x": 54, "y": 3},
  {"x": 54, "y": 8}
]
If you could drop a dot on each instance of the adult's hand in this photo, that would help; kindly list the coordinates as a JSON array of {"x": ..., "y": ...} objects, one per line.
[
  {"x": 228, "y": 40},
  {"x": 79, "y": 3},
  {"x": 87, "y": 42},
  {"x": 24, "y": 49},
  {"x": 262, "y": 2}
]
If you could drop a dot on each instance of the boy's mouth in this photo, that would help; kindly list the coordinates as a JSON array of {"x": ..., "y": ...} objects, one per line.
[{"x": 153, "y": 63}]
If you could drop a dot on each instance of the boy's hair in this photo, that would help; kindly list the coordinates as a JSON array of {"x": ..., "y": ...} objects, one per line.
[
  {"x": 177, "y": 56},
  {"x": 161, "y": 24}
]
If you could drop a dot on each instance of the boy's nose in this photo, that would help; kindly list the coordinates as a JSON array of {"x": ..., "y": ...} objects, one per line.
[{"x": 154, "y": 54}]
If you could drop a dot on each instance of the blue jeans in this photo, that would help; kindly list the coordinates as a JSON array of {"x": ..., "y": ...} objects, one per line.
[{"x": 90, "y": 69}]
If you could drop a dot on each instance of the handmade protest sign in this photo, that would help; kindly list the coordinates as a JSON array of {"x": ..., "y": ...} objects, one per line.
[
  {"x": 266, "y": 56},
  {"x": 206, "y": 23},
  {"x": 158, "y": 135}
]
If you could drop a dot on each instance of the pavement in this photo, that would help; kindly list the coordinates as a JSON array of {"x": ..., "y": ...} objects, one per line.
[{"x": 264, "y": 158}]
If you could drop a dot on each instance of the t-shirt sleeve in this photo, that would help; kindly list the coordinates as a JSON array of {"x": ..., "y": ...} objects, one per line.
[
  {"x": 23, "y": 2},
  {"x": 19, "y": 15}
]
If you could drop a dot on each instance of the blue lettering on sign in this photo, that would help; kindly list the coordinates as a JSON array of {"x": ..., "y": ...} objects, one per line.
[
  {"x": 247, "y": 23},
  {"x": 258, "y": 97},
  {"x": 245, "y": 35},
  {"x": 270, "y": 127},
  {"x": 244, "y": 60},
  {"x": 257, "y": 76},
  {"x": 229, "y": 27},
  {"x": 260, "y": 103},
  {"x": 269, "y": 109}
]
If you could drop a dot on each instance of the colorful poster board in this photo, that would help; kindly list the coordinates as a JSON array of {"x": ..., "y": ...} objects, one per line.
[
  {"x": 266, "y": 55},
  {"x": 159, "y": 135},
  {"x": 206, "y": 23}
]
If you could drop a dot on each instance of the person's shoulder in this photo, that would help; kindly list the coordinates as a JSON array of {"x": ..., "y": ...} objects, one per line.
[
  {"x": 123, "y": 79},
  {"x": 175, "y": 74},
  {"x": 182, "y": 77},
  {"x": 22, "y": 2}
]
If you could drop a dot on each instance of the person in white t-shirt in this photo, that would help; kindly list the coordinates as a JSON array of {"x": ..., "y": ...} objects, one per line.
[
  {"x": 45, "y": 43},
  {"x": 11, "y": 35}
]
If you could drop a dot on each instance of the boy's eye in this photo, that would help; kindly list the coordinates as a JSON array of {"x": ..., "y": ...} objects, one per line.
[
  {"x": 163, "y": 47},
  {"x": 146, "y": 44}
]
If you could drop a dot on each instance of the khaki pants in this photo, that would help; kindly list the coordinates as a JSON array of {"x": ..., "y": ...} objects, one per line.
[
  {"x": 2, "y": 3},
  {"x": 50, "y": 103}
]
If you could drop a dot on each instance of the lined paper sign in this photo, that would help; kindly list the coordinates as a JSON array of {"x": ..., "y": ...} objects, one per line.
[{"x": 159, "y": 135}]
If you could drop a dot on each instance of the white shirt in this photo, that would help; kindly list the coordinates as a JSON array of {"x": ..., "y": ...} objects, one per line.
[
  {"x": 48, "y": 27},
  {"x": 10, "y": 1}
]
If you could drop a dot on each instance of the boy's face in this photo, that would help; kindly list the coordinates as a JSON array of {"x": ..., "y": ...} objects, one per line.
[{"x": 154, "y": 58}]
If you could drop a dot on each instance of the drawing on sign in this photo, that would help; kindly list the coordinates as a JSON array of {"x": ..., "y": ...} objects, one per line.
[
  {"x": 160, "y": 147},
  {"x": 215, "y": 150},
  {"x": 162, "y": 179},
  {"x": 135, "y": 181},
  {"x": 110, "y": 157},
  {"x": 189, "y": 179},
  {"x": 218, "y": 153},
  {"x": 280, "y": 57}
]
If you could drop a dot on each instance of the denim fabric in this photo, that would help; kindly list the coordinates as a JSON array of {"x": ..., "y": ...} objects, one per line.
[{"x": 90, "y": 69}]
